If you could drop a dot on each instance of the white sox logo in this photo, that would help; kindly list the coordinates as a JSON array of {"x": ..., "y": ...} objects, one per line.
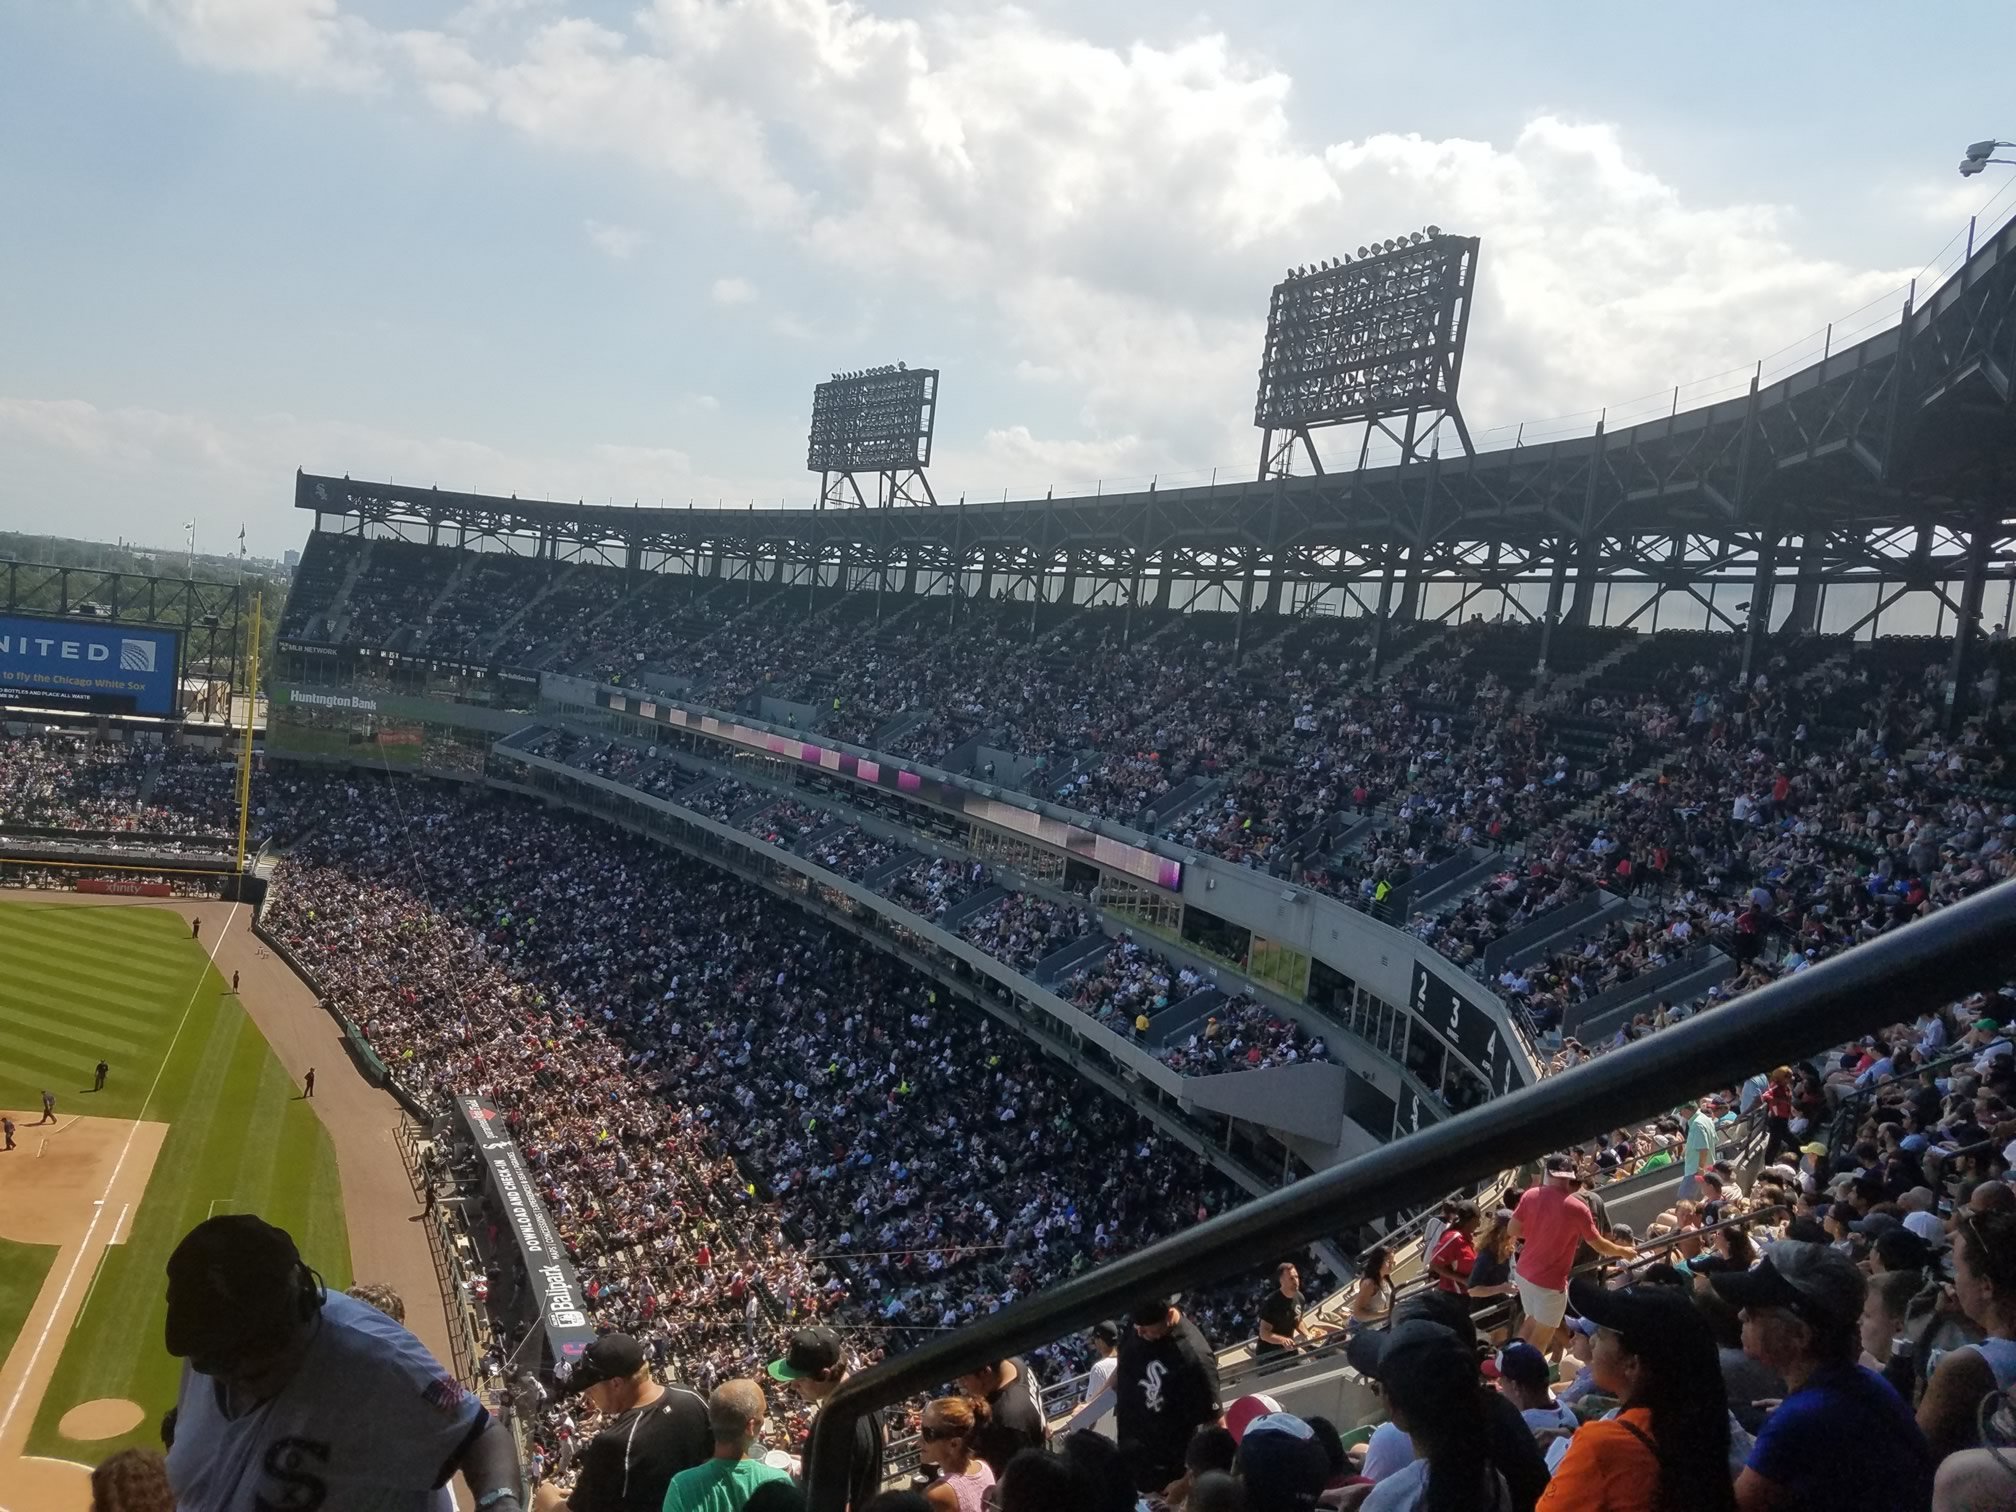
[
  {"x": 291, "y": 1461},
  {"x": 1151, "y": 1385}
]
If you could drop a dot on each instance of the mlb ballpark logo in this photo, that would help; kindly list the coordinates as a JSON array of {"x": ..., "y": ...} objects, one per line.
[
  {"x": 566, "y": 1317},
  {"x": 136, "y": 656}
]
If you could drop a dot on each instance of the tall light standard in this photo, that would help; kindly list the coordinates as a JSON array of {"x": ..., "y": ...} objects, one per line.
[{"x": 1981, "y": 154}]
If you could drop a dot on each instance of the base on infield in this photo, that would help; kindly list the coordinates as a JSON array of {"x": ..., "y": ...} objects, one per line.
[{"x": 76, "y": 1187}]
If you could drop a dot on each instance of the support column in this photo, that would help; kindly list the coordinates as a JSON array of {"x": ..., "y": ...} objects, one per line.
[
  {"x": 1557, "y": 583},
  {"x": 1805, "y": 616},
  {"x": 1165, "y": 586},
  {"x": 1761, "y": 586},
  {"x": 1966, "y": 660},
  {"x": 1379, "y": 623},
  {"x": 1410, "y": 588},
  {"x": 1245, "y": 609}
]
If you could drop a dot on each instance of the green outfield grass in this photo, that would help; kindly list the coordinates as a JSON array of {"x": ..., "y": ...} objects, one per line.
[{"x": 128, "y": 984}]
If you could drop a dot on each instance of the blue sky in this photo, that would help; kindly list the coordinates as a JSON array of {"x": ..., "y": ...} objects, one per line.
[{"x": 563, "y": 248}]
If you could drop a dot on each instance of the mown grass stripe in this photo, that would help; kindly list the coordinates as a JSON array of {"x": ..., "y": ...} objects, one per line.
[
  {"x": 37, "y": 1029},
  {"x": 99, "y": 969},
  {"x": 86, "y": 1014},
  {"x": 142, "y": 1004},
  {"x": 55, "y": 1071},
  {"x": 237, "y": 1135}
]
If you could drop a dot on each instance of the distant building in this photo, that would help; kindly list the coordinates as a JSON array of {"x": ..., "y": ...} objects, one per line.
[{"x": 290, "y": 560}]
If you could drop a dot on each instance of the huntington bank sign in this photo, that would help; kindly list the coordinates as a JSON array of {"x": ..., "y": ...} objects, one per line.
[{"x": 91, "y": 664}]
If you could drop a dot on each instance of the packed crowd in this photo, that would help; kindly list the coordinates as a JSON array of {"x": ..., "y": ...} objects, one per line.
[
  {"x": 1126, "y": 987},
  {"x": 1771, "y": 836},
  {"x": 1692, "y": 790},
  {"x": 62, "y": 779},
  {"x": 739, "y": 1118},
  {"x": 1840, "y": 1333}
]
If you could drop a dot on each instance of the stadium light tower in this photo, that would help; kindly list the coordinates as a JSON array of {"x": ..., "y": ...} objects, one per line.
[
  {"x": 1981, "y": 154},
  {"x": 874, "y": 421},
  {"x": 1374, "y": 341}
]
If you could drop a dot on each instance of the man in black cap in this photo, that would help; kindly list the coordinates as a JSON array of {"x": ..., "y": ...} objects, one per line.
[
  {"x": 1842, "y": 1437},
  {"x": 651, "y": 1432},
  {"x": 813, "y": 1366},
  {"x": 1165, "y": 1388},
  {"x": 294, "y": 1397}
]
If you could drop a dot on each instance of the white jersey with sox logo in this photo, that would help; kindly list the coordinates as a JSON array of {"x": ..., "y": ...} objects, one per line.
[{"x": 371, "y": 1422}]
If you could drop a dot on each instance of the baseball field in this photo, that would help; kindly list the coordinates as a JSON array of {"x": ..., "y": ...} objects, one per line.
[{"x": 197, "y": 1116}]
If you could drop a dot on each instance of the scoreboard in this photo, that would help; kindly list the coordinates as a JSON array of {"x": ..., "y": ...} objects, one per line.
[{"x": 1471, "y": 1031}]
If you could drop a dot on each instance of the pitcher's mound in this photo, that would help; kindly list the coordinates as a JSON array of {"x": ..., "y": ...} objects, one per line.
[{"x": 107, "y": 1417}]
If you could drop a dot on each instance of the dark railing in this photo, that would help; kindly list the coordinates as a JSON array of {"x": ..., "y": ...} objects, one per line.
[{"x": 1945, "y": 956}]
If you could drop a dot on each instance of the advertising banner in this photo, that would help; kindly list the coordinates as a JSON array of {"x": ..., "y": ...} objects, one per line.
[
  {"x": 563, "y": 1310},
  {"x": 92, "y": 664},
  {"x": 1072, "y": 839}
]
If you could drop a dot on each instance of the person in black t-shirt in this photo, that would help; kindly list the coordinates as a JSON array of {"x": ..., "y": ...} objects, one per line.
[
  {"x": 1281, "y": 1325},
  {"x": 1015, "y": 1411},
  {"x": 652, "y": 1432},
  {"x": 814, "y": 1365},
  {"x": 1165, "y": 1389}
]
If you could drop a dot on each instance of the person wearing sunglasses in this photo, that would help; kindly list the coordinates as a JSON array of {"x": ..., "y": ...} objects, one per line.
[{"x": 946, "y": 1444}]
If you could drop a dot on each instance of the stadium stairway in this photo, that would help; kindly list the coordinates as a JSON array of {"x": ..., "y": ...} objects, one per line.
[
  {"x": 1554, "y": 686},
  {"x": 546, "y": 657},
  {"x": 456, "y": 579},
  {"x": 488, "y": 649},
  {"x": 1482, "y": 866},
  {"x": 887, "y": 734},
  {"x": 336, "y": 617},
  {"x": 1604, "y": 1014},
  {"x": 1556, "y": 930},
  {"x": 1188, "y": 794},
  {"x": 1432, "y": 635}
]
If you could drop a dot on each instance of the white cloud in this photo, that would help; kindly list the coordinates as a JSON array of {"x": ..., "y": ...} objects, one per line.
[
  {"x": 732, "y": 291},
  {"x": 1113, "y": 216},
  {"x": 619, "y": 242},
  {"x": 218, "y": 470}
]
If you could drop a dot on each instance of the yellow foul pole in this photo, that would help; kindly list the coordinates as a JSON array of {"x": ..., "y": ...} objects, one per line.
[{"x": 245, "y": 752}]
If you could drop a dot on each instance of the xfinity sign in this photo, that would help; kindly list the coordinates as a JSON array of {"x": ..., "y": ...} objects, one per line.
[{"x": 106, "y": 668}]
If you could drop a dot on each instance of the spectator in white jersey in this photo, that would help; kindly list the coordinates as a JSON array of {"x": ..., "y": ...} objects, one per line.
[
  {"x": 1095, "y": 1410},
  {"x": 292, "y": 1396}
]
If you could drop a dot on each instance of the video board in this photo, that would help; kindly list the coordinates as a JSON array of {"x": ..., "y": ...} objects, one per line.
[{"x": 96, "y": 665}]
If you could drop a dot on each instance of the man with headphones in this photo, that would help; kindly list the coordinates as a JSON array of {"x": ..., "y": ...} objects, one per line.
[{"x": 295, "y": 1398}]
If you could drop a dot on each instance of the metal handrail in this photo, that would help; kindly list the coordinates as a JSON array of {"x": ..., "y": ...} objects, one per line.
[{"x": 1936, "y": 959}]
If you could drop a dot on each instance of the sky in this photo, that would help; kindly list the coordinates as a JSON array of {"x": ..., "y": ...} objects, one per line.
[{"x": 565, "y": 249}]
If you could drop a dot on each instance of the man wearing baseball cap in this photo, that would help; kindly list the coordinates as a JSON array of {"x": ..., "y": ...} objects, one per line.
[
  {"x": 293, "y": 1396},
  {"x": 1552, "y": 1222},
  {"x": 814, "y": 1365},
  {"x": 649, "y": 1435},
  {"x": 1842, "y": 1437}
]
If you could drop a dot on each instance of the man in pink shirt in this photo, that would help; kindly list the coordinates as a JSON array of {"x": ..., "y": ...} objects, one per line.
[{"x": 1552, "y": 1223}]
